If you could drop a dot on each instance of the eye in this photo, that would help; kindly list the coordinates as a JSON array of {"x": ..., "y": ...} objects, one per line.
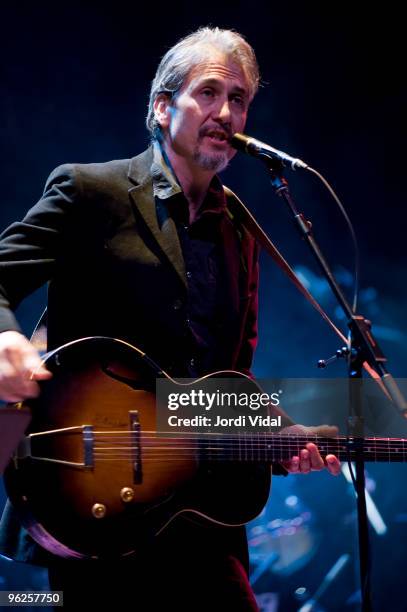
[
  {"x": 238, "y": 99},
  {"x": 207, "y": 92}
]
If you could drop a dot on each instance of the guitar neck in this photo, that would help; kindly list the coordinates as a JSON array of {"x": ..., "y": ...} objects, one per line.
[{"x": 270, "y": 448}]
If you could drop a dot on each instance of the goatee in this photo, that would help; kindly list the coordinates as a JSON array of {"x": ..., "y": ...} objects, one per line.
[{"x": 215, "y": 162}]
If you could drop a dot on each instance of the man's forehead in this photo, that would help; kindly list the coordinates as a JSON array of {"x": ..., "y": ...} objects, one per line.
[{"x": 218, "y": 68}]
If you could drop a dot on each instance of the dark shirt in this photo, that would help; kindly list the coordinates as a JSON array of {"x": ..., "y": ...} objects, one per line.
[{"x": 201, "y": 244}]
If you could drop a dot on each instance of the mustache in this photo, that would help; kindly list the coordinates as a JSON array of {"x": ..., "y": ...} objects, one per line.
[{"x": 207, "y": 129}]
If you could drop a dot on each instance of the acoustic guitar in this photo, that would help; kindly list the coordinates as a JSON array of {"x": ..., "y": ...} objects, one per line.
[{"x": 93, "y": 478}]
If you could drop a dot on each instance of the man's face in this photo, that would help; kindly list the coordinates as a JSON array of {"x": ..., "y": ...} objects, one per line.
[{"x": 210, "y": 107}]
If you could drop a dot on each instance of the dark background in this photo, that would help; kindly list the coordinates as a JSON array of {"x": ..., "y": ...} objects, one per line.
[{"x": 74, "y": 88}]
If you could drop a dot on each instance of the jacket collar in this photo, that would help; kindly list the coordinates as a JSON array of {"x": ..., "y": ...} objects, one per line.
[{"x": 144, "y": 206}]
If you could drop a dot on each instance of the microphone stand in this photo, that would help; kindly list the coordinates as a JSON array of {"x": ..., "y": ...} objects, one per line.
[{"x": 363, "y": 347}]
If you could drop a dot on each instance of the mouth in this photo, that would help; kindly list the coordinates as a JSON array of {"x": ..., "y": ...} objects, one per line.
[{"x": 217, "y": 136}]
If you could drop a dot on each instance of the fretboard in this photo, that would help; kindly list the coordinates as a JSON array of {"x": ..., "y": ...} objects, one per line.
[{"x": 268, "y": 447}]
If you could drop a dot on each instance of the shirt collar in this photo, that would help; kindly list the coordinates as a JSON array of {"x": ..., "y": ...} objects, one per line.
[{"x": 165, "y": 183}]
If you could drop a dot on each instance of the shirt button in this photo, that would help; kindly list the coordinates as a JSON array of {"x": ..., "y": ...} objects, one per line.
[
  {"x": 189, "y": 274},
  {"x": 177, "y": 304}
]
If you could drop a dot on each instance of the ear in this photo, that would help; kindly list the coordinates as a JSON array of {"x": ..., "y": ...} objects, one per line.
[{"x": 161, "y": 109}]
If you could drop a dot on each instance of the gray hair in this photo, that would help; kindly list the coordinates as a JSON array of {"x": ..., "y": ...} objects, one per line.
[{"x": 190, "y": 51}]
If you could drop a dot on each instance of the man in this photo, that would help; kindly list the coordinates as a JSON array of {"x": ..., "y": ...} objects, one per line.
[{"x": 151, "y": 250}]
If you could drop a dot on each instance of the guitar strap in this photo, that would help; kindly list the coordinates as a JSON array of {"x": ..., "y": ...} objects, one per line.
[
  {"x": 253, "y": 227},
  {"x": 248, "y": 220}
]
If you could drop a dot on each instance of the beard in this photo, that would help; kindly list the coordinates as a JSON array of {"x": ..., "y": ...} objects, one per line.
[{"x": 215, "y": 162}]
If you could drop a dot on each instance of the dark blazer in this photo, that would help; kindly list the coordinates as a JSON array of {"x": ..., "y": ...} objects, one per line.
[{"x": 115, "y": 268}]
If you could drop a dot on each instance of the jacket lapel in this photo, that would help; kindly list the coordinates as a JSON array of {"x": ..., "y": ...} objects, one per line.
[{"x": 165, "y": 232}]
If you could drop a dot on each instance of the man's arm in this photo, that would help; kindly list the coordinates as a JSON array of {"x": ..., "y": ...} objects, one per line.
[{"x": 28, "y": 252}]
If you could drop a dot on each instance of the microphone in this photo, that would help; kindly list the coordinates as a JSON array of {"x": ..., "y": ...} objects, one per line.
[{"x": 254, "y": 147}]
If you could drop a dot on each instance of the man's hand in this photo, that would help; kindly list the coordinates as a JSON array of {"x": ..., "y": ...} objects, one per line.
[
  {"x": 20, "y": 368},
  {"x": 310, "y": 458}
]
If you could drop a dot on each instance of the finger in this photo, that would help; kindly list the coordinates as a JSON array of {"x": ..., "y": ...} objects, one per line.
[
  {"x": 5, "y": 397},
  {"x": 18, "y": 395},
  {"x": 8, "y": 376},
  {"x": 305, "y": 464},
  {"x": 41, "y": 374},
  {"x": 14, "y": 357},
  {"x": 333, "y": 464},
  {"x": 6, "y": 369},
  {"x": 18, "y": 391},
  {"x": 30, "y": 389},
  {"x": 14, "y": 386},
  {"x": 25, "y": 363},
  {"x": 34, "y": 366},
  {"x": 317, "y": 463},
  {"x": 292, "y": 465}
]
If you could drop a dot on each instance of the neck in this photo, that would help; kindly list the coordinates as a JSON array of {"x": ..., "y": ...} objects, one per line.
[{"x": 194, "y": 181}]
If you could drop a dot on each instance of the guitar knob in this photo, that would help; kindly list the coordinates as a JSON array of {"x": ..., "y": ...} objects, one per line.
[
  {"x": 99, "y": 510},
  {"x": 127, "y": 494}
]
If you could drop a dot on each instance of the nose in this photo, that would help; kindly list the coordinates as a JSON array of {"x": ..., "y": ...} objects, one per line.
[{"x": 222, "y": 111}]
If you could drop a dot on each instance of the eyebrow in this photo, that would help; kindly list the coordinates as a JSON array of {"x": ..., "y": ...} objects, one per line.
[{"x": 214, "y": 81}]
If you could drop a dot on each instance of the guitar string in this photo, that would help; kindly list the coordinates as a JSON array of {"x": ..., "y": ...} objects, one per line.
[
  {"x": 243, "y": 450},
  {"x": 234, "y": 437},
  {"x": 242, "y": 442},
  {"x": 146, "y": 450},
  {"x": 378, "y": 451},
  {"x": 252, "y": 441},
  {"x": 185, "y": 451},
  {"x": 246, "y": 444},
  {"x": 192, "y": 435},
  {"x": 226, "y": 458}
]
